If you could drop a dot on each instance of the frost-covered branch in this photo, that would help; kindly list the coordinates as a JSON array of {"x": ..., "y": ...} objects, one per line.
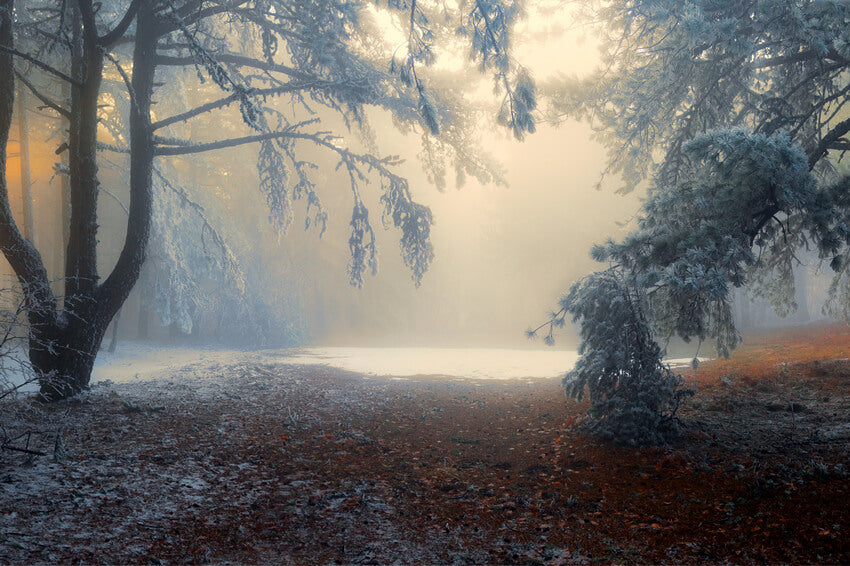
[
  {"x": 259, "y": 93},
  {"x": 184, "y": 147},
  {"x": 40, "y": 64},
  {"x": 234, "y": 59},
  {"x": 121, "y": 27},
  {"x": 42, "y": 97},
  {"x": 829, "y": 141}
]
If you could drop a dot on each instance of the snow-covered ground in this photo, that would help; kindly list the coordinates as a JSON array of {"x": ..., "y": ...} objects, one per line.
[
  {"x": 469, "y": 363},
  {"x": 136, "y": 361},
  {"x": 140, "y": 361}
]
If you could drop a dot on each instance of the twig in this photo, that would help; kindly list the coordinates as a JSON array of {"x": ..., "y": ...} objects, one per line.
[{"x": 24, "y": 450}]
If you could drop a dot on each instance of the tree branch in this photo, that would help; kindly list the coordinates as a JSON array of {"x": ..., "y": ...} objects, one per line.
[
  {"x": 47, "y": 102},
  {"x": 111, "y": 147},
  {"x": 233, "y": 59},
  {"x": 118, "y": 31},
  {"x": 24, "y": 450},
  {"x": 800, "y": 57},
  {"x": 177, "y": 147},
  {"x": 832, "y": 137},
  {"x": 39, "y": 64},
  {"x": 227, "y": 100},
  {"x": 184, "y": 12},
  {"x": 127, "y": 84}
]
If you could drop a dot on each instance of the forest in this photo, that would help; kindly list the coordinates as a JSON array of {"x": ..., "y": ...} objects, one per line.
[{"x": 267, "y": 266}]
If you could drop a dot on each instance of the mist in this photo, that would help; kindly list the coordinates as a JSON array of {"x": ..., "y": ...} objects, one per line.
[{"x": 504, "y": 253}]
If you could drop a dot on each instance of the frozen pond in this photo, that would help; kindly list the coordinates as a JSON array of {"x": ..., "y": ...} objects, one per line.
[
  {"x": 473, "y": 363},
  {"x": 137, "y": 361}
]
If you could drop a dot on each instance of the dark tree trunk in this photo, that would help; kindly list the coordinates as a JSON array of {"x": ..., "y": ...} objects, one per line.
[
  {"x": 26, "y": 178},
  {"x": 65, "y": 368},
  {"x": 90, "y": 306},
  {"x": 116, "y": 323},
  {"x": 63, "y": 345},
  {"x": 24, "y": 259}
]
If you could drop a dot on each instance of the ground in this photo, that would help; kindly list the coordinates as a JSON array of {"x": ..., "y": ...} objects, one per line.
[{"x": 271, "y": 463}]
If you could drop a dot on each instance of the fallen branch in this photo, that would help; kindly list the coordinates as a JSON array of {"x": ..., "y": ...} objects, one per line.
[{"x": 24, "y": 450}]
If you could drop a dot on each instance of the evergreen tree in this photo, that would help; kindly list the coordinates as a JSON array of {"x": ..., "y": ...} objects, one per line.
[{"x": 736, "y": 112}]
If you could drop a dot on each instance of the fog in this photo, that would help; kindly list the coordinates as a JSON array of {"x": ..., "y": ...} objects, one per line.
[{"x": 504, "y": 252}]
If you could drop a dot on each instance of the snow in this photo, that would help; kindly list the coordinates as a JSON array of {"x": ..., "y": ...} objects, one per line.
[
  {"x": 466, "y": 363},
  {"x": 163, "y": 437},
  {"x": 138, "y": 361}
]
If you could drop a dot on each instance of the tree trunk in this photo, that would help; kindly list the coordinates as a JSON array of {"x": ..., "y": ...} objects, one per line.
[
  {"x": 64, "y": 368},
  {"x": 65, "y": 187},
  {"x": 143, "y": 323},
  {"x": 26, "y": 262},
  {"x": 113, "y": 344},
  {"x": 26, "y": 181},
  {"x": 801, "y": 296},
  {"x": 63, "y": 346}
]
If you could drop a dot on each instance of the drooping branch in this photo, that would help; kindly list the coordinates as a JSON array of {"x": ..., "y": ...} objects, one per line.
[
  {"x": 127, "y": 83},
  {"x": 832, "y": 137},
  {"x": 229, "y": 257},
  {"x": 762, "y": 218}
]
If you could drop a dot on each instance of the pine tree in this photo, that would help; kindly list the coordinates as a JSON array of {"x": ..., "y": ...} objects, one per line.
[{"x": 736, "y": 114}]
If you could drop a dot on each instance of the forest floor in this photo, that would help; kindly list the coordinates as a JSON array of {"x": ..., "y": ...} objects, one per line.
[{"x": 272, "y": 463}]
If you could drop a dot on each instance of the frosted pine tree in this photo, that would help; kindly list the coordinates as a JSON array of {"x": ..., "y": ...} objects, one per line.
[{"x": 736, "y": 113}]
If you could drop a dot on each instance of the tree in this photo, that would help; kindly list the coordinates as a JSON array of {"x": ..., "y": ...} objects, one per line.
[
  {"x": 745, "y": 103},
  {"x": 318, "y": 53},
  {"x": 634, "y": 396}
]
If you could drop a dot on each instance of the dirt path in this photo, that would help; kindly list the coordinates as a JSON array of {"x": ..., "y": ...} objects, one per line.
[{"x": 276, "y": 464}]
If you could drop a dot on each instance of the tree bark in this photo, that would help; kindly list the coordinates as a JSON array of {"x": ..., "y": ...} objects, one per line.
[
  {"x": 63, "y": 345},
  {"x": 26, "y": 262},
  {"x": 89, "y": 306},
  {"x": 120, "y": 282},
  {"x": 26, "y": 177}
]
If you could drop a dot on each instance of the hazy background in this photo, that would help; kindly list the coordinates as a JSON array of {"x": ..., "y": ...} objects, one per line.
[{"x": 503, "y": 254}]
